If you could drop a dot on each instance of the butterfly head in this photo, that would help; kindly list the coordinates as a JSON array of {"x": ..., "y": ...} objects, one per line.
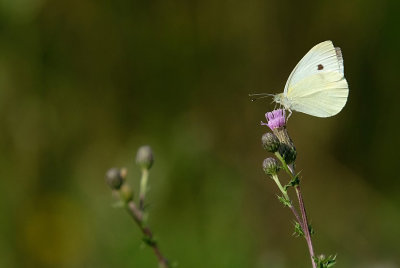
[
  {"x": 278, "y": 98},
  {"x": 283, "y": 101}
]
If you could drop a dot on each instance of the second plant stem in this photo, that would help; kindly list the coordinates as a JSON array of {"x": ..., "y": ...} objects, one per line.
[
  {"x": 143, "y": 188},
  {"x": 137, "y": 216}
]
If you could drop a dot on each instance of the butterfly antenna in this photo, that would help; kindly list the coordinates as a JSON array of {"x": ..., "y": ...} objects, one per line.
[{"x": 258, "y": 96}]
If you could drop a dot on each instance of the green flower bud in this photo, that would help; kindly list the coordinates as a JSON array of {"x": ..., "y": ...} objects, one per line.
[
  {"x": 126, "y": 193},
  {"x": 144, "y": 157},
  {"x": 270, "y": 142},
  {"x": 271, "y": 166},
  {"x": 287, "y": 147},
  {"x": 114, "y": 179},
  {"x": 288, "y": 153}
]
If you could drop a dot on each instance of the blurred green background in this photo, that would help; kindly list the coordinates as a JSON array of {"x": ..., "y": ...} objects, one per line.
[{"x": 84, "y": 83}]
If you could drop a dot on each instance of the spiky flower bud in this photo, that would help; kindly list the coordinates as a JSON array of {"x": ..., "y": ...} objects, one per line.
[
  {"x": 271, "y": 166},
  {"x": 288, "y": 153},
  {"x": 144, "y": 157},
  {"x": 270, "y": 142},
  {"x": 126, "y": 193},
  {"x": 114, "y": 179}
]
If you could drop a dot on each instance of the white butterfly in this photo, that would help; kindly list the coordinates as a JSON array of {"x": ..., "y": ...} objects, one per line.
[{"x": 316, "y": 85}]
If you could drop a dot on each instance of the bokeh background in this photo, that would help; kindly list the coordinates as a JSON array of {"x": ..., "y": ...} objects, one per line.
[{"x": 84, "y": 83}]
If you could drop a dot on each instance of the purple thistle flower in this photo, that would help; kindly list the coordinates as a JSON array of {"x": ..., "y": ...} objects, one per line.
[{"x": 275, "y": 119}]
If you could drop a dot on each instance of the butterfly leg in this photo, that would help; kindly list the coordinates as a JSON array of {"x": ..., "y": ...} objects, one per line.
[{"x": 290, "y": 114}]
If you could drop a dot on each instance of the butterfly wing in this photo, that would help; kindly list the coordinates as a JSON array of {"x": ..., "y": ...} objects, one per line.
[
  {"x": 321, "y": 94},
  {"x": 323, "y": 57}
]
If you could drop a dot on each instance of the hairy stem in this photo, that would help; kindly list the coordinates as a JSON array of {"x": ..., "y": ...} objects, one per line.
[
  {"x": 294, "y": 211},
  {"x": 143, "y": 188},
  {"x": 284, "y": 192},
  {"x": 137, "y": 216},
  {"x": 304, "y": 224}
]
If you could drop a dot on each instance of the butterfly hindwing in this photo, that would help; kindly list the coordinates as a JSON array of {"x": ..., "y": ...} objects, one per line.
[{"x": 320, "y": 94}]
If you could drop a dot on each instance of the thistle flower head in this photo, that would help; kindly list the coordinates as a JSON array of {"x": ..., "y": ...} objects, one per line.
[
  {"x": 288, "y": 153},
  {"x": 270, "y": 142},
  {"x": 275, "y": 119},
  {"x": 270, "y": 166}
]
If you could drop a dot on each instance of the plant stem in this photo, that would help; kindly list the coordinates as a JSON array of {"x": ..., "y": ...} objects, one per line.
[
  {"x": 304, "y": 224},
  {"x": 143, "y": 188},
  {"x": 137, "y": 216},
  {"x": 284, "y": 192},
  {"x": 293, "y": 209}
]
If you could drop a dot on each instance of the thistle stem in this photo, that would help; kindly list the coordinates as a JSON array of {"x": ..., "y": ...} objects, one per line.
[
  {"x": 284, "y": 192},
  {"x": 294, "y": 211},
  {"x": 143, "y": 187},
  {"x": 304, "y": 224},
  {"x": 137, "y": 216}
]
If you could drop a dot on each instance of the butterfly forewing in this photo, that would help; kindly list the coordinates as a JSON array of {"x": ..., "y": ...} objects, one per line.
[
  {"x": 323, "y": 57},
  {"x": 317, "y": 85}
]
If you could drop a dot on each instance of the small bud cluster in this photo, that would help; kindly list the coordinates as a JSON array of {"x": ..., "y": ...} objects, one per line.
[{"x": 115, "y": 177}]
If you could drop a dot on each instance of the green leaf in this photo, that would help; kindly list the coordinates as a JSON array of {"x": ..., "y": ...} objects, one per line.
[
  {"x": 311, "y": 230},
  {"x": 298, "y": 231},
  {"x": 149, "y": 241},
  {"x": 325, "y": 262},
  {"x": 294, "y": 182},
  {"x": 118, "y": 204},
  {"x": 284, "y": 201}
]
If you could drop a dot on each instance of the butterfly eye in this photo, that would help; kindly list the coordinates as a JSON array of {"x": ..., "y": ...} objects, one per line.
[{"x": 320, "y": 67}]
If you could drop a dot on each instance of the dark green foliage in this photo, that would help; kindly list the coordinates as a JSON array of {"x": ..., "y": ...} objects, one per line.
[
  {"x": 293, "y": 182},
  {"x": 298, "y": 231},
  {"x": 311, "y": 230},
  {"x": 325, "y": 262}
]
